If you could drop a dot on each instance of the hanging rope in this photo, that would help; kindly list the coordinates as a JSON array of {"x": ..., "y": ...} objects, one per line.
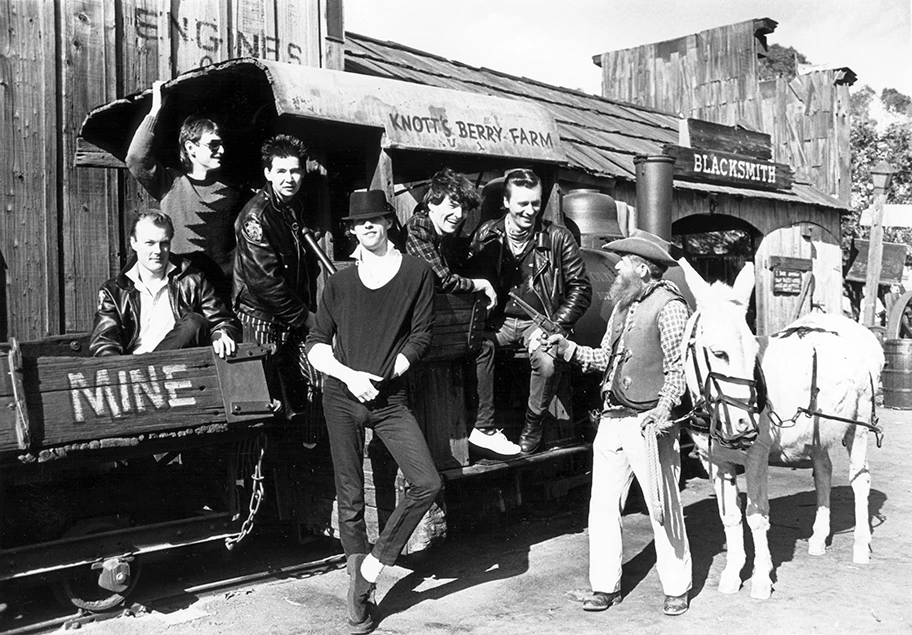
[{"x": 655, "y": 494}]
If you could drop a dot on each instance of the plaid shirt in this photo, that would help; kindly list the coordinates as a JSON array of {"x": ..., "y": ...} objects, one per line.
[
  {"x": 672, "y": 320},
  {"x": 424, "y": 242}
]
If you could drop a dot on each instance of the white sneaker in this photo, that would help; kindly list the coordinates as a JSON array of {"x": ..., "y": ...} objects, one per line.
[{"x": 493, "y": 444}]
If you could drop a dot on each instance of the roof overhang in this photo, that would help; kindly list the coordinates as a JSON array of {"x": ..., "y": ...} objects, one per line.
[{"x": 411, "y": 116}]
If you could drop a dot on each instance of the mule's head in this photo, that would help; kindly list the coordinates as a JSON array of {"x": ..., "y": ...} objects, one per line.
[{"x": 721, "y": 354}]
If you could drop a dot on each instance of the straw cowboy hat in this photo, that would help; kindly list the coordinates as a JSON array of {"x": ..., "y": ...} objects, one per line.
[
  {"x": 645, "y": 245},
  {"x": 369, "y": 204}
]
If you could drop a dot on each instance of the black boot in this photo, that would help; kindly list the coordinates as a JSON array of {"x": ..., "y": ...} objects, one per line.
[{"x": 530, "y": 439}]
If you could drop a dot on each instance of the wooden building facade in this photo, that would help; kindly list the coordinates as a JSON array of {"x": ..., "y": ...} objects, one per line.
[{"x": 62, "y": 228}]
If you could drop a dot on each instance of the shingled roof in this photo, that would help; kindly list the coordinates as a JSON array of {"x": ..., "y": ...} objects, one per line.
[{"x": 600, "y": 136}]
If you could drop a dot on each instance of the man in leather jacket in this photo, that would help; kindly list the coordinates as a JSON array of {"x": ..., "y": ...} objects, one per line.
[
  {"x": 271, "y": 275},
  {"x": 541, "y": 263},
  {"x": 160, "y": 302}
]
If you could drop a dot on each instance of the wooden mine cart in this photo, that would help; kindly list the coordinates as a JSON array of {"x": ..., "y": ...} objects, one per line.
[{"x": 105, "y": 460}]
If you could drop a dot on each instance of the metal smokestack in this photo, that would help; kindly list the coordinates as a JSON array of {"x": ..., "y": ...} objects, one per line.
[{"x": 654, "y": 175}]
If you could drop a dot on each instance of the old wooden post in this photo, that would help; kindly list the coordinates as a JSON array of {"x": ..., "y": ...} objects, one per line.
[{"x": 881, "y": 174}]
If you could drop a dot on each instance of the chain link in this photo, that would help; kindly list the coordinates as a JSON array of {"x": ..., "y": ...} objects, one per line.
[{"x": 257, "y": 494}]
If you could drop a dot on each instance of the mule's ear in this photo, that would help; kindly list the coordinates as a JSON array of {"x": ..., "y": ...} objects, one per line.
[
  {"x": 744, "y": 284},
  {"x": 698, "y": 286}
]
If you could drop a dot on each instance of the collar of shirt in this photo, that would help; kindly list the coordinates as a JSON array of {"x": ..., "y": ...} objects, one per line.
[
  {"x": 152, "y": 286},
  {"x": 375, "y": 271}
]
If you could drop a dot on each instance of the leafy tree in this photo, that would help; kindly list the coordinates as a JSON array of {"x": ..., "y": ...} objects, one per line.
[
  {"x": 896, "y": 102},
  {"x": 780, "y": 61},
  {"x": 869, "y": 146}
]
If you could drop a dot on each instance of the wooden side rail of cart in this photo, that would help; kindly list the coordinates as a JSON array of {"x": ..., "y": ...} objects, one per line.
[{"x": 54, "y": 401}]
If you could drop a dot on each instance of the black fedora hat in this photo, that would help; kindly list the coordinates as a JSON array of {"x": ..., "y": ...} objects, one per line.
[
  {"x": 369, "y": 204},
  {"x": 645, "y": 245}
]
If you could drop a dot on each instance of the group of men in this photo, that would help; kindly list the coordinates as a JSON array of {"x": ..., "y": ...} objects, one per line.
[{"x": 373, "y": 323}]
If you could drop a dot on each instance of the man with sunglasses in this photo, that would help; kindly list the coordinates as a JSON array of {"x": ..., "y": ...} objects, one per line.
[
  {"x": 643, "y": 382},
  {"x": 200, "y": 203}
]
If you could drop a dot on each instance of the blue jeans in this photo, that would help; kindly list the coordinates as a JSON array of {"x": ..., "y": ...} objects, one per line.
[
  {"x": 542, "y": 381},
  {"x": 394, "y": 423}
]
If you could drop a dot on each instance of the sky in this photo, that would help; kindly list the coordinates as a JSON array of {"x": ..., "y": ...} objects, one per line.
[{"x": 554, "y": 41}]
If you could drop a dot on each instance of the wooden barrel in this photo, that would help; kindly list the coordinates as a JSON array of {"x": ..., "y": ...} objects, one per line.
[{"x": 897, "y": 374}]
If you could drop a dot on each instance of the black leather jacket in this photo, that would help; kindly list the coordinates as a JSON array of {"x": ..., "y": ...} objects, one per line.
[
  {"x": 559, "y": 279},
  {"x": 271, "y": 279},
  {"x": 117, "y": 319}
]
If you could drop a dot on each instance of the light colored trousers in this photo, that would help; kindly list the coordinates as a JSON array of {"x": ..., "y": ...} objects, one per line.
[{"x": 619, "y": 453}]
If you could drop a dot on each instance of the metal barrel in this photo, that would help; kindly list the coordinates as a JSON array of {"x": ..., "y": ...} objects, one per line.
[
  {"x": 654, "y": 177},
  {"x": 897, "y": 374}
]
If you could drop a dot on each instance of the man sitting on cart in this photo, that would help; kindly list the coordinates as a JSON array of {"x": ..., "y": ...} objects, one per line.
[
  {"x": 541, "y": 264},
  {"x": 161, "y": 302}
]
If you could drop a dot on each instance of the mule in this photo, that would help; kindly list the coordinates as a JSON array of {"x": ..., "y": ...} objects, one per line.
[{"x": 824, "y": 364}]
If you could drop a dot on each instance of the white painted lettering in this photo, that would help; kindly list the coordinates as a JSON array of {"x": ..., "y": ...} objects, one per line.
[
  {"x": 104, "y": 393},
  {"x": 173, "y": 385},
  {"x": 148, "y": 387}
]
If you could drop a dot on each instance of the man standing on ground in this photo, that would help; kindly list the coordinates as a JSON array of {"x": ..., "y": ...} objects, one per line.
[
  {"x": 160, "y": 303},
  {"x": 541, "y": 263},
  {"x": 431, "y": 235},
  {"x": 373, "y": 324},
  {"x": 201, "y": 205},
  {"x": 640, "y": 356},
  {"x": 271, "y": 278}
]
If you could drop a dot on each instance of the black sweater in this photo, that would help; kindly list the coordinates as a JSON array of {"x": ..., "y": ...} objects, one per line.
[{"x": 372, "y": 326}]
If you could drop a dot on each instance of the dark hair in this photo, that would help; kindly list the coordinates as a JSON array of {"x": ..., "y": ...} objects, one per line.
[
  {"x": 157, "y": 218},
  {"x": 193, "y": 130},
  {"x": 282, "y": 146},
  {"x": 456, "y": 186},
  {"x": 520, "y": 178},
  {"x": 656, "y": 271}
]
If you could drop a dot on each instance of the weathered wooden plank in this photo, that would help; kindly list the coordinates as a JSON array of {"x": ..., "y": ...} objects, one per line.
[
  {"x": 254, "y": 23},
  {"x": 697, "y": 133},
  {"x": 146, "y": 43},
  {"x": 90, "y": 209},
  {"x": 199, "y": 34},
  {"x": 297, "y": 32},
  {"x": 439, "y": 402},
  {"x": 29, "y": 212}
]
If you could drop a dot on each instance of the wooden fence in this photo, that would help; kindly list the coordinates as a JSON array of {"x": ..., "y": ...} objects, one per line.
[{"x": 61, "y": 228}]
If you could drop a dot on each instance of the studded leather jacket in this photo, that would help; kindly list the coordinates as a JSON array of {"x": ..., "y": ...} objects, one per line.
[{"x": 271, "y": 278}]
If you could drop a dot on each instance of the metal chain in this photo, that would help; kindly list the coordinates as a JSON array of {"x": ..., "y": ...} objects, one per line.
[{"x": 257, "y": 494}]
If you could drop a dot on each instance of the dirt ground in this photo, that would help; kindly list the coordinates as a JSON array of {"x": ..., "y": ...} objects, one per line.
[{"x": 526, "y": 576}]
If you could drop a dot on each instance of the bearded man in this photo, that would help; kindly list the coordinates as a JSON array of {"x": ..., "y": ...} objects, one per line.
[{"x": 640, "y": 357}]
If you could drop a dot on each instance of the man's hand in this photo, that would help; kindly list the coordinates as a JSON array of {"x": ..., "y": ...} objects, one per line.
[
  {"x": 361, "y": 385},
  {"x": 660, "y": 417},
  {"x": 310, "y": 322},
  {"x": 400, "y": 365},
  {"x": 558, "y": 343},
  {"x": 223, "y": 345},
  {"x": 157, "y": 99},
  {"x": 536, "y": 339},
  {"x": 483, "y": 285}
]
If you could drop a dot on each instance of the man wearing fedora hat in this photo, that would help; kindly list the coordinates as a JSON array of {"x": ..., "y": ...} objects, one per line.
[
  {"x": 541, "y": 263},
  {"x": 640, "y": 357},
  {"x": 373, "y": 324},
  {"x": 272, "y": 274}
]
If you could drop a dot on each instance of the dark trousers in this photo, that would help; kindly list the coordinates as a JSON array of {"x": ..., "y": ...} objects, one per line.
[
  {"x": 395, "y": 425},
  {"x": 543, "y": 379},
  {"x": 189, "y": 331}
]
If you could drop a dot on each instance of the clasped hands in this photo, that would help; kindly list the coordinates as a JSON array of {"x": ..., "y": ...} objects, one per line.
[{"x": 362, "y": 384}]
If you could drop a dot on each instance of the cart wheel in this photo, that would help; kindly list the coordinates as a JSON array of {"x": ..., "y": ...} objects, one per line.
[{"x": 79, "y": 587}]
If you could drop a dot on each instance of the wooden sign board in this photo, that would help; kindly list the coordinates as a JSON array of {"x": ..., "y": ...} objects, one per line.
[
  {"x": 786, "y": 281},
  {"x": 726, "y": 168},
  {"x": 892, "y": 264},
  {"x": 696, "y": 133},
  {"x": 84, "y": 399}
]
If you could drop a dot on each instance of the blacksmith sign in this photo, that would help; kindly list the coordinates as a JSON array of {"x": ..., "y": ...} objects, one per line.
[{"x": 726, "y": 168}]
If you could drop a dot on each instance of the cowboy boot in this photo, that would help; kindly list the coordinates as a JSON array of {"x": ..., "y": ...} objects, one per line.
[{"x": 530, "y": 439}]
